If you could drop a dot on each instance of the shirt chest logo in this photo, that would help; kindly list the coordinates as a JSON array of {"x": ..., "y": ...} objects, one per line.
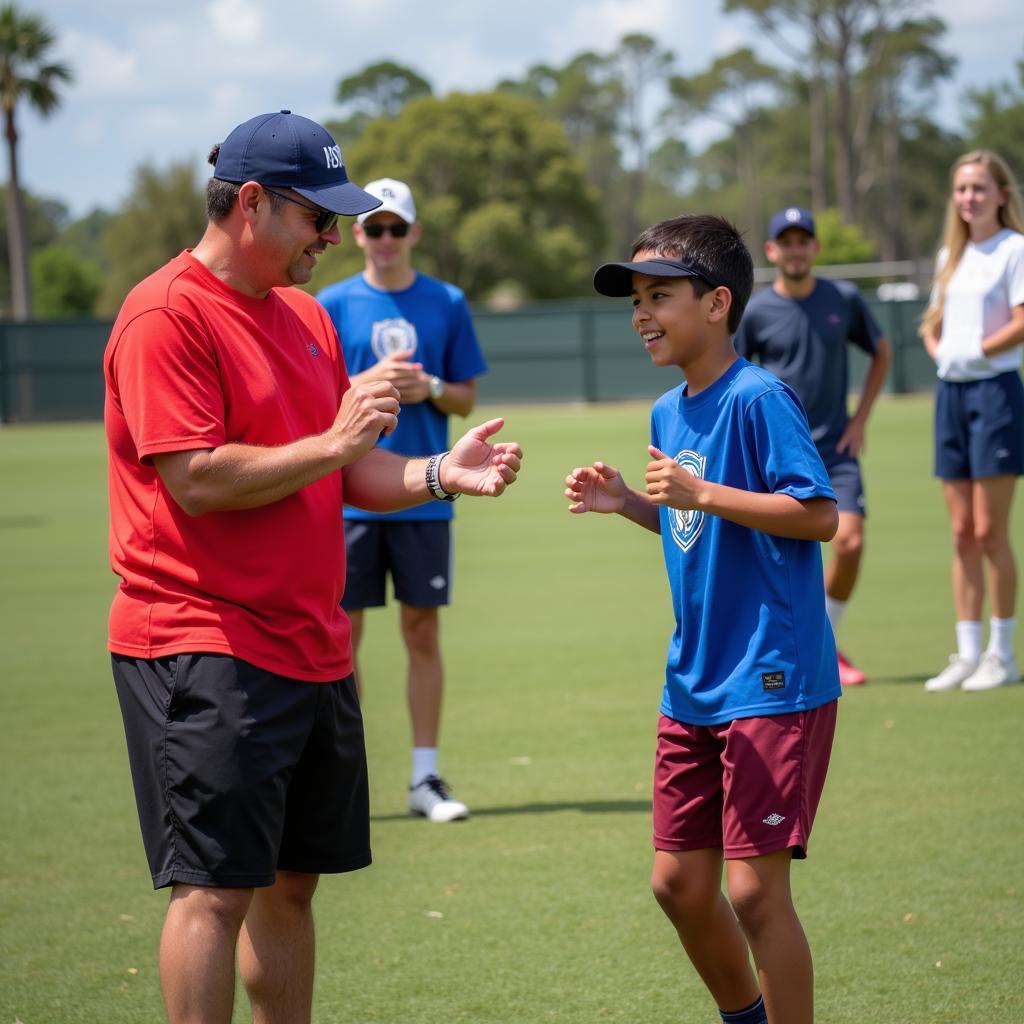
[
  {"x": 392, "y": 336},
  {"x": 686, "y": 525}
]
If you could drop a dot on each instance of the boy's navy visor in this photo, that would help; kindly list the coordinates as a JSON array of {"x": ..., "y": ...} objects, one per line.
[{"x": 616, "y": 279}]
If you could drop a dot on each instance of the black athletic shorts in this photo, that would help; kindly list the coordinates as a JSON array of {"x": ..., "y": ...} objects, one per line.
[
  {"x": 417, "y": 554},
  {"x": 979, "y": 428},
  {"x": 239, "y": 772},
  {"x": 844, "y": 475}
]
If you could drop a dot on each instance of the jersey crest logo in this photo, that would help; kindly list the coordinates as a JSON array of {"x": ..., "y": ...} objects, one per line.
[
  {"x": 389, "y": 337},
  {"x": 687, "y": 524}
]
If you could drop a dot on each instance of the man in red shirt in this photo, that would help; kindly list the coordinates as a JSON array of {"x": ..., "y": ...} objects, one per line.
[{"x": 234, "y": 438}]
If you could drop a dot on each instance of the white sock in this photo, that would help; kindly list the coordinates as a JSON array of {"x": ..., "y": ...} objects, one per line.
[
  {"x": 835, "y": 610},
  {"x": 1000, "y": 637},
  {"x": 968, "y": 640},
  {"x": 424, "y": 763}
]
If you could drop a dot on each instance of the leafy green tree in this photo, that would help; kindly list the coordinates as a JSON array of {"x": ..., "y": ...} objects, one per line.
[
  {"x": 995, "y": 120},
  {"x": 85, "y": 237},
  {"x": 501, "y": 196},
  {"x": 642, "y": 65},
  {"x": 378, "y": 90},
  {"x": 841, "y": 242},
  {"x": 837, "y": 44},
  {"x": 164, "y": 214},
  {"x": 585, "y": 97},
  {"x": 732, "y": 91},
  {"x": 64, "y": 283},
  {"x": 909, "y": 66},
  {"x": 26, "y": 73},
  {"x": 44, "y": 219}
]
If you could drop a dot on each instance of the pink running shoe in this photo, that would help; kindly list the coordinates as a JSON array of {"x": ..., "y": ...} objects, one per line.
[{"x": 849, "y": 675}]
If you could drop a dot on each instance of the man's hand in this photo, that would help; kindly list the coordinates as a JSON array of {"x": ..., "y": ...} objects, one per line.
[
  {"x": 596, "y": 488},
  {"x": 670, "y": 484},
  {"x": 408, "y": 377},
  {"x": 368, "y": 410},
  {"x": 852, "y": 440},
  {"x": 475, "y": 466}
]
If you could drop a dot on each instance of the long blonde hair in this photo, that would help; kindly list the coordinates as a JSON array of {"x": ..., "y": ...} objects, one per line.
[{"x": 955, "y": 234}]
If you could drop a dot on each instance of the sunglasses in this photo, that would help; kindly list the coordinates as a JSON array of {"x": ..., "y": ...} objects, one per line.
[
  {"x": 325, "y": 219},
  {"x": 399, "y": 230}
]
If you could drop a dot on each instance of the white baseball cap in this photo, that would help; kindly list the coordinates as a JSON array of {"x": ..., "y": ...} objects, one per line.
[{"x": 395, "y": 197}]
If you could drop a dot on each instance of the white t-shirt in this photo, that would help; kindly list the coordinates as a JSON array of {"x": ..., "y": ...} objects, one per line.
[{"x": 983, "y": 290}]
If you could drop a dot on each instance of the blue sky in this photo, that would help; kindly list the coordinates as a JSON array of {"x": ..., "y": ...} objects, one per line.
[{"x": 162, "y": 82}]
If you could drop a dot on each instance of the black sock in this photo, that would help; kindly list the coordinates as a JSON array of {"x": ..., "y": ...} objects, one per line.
[{"x": 753, "y": 1014}]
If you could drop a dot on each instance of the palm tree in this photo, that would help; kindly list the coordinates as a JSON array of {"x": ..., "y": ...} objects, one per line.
[{"x": 24, "y": 73}]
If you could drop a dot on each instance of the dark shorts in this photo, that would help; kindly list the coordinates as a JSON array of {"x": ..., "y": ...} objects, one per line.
[
  {"x": 239, "y": 772},
  {"x": 748, "y": 787},
  {"x": 979, "y": 428},
  {"x": 844, "y": 475},
  {"x": 416, "y": 554}
]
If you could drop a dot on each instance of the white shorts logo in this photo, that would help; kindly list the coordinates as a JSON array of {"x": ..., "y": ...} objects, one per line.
[
  {"x": 687, "y": 525},
  {"x": 390, "y": 337}
]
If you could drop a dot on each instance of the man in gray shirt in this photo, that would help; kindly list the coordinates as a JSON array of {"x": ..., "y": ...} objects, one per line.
[{"x": 798, "y": 329}]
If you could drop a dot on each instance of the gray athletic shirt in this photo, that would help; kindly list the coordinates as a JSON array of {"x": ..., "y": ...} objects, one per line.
[{"x": 803, "y": 341}]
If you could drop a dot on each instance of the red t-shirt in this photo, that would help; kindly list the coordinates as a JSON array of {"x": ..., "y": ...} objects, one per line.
[{"x": 192, "y": 363}]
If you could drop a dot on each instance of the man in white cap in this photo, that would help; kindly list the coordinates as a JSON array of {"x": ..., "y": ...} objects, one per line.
[
  {"x": 414, "y": 332},
  {"x": 234, "y": 435}
]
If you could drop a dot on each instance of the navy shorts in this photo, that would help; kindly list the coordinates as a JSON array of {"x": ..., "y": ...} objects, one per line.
[
  {"x": 979, "y": 428},
  {"x": 239, "y": 773},
  {"x": 416, "y": 553},
  {"x": 844, "y": 475}
]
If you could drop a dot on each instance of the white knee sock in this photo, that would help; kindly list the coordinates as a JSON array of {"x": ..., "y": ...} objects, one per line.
[
  {"x": 424, "y": 763},
  {"x": 835, "y": 610},
  {"x": 968, "y": 640},
  {"x": 1000, "y": 637}
]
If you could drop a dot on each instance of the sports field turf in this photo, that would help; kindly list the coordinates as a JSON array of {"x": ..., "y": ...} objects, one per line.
[{"x": 537, "y": 909}]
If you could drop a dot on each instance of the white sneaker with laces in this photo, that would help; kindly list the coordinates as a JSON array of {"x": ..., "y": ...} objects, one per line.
[
  {"x": 952, "y": 676},
  {"x": 432, "y": 799},
  {"x": 992, "y": 672}
]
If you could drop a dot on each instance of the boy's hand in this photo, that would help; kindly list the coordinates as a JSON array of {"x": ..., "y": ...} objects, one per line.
[
  {"x": 670, "y": 484},
  {"x": 596, "y": 488}
]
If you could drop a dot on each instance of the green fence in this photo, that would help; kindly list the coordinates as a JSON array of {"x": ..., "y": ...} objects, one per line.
[{"x": 571, "y": 351}]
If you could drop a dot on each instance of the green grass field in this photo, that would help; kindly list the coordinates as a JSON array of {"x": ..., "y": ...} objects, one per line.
[{"x": 537, "y": 909}]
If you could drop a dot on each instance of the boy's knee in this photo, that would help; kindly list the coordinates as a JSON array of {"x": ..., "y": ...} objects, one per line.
[
  {"x": 680, "y": 893},
  {"x": 753, "y": 903}
]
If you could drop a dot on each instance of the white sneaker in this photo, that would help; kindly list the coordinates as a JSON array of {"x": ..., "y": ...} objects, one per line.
[
  {"x": 992, "y": 672},
  {"x": 432, "y": 799},
  {"x": 952, "y": 676}
]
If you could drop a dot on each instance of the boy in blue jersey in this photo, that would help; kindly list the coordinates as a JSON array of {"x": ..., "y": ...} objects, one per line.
[
  {"x": 799, "y": 329},
  {"x": 741, "y": 500},
  {"x": 415, "y": 332}
]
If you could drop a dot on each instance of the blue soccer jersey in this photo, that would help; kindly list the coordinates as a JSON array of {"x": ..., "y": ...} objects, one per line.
[
  {"x": 803, "y": 341},
  {"x": 430, "y": 320},
  {"x": 751, "y": 635}
]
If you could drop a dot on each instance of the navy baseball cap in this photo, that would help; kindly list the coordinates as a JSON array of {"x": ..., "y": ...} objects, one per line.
[
  {"x": 616, "y": 279},
  {"x": 791, "y": 217},
  {"x": 290, "y": 151}
]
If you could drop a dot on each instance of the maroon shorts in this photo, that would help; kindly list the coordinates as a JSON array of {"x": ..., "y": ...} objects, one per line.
[{"x": 747, "y": 787}]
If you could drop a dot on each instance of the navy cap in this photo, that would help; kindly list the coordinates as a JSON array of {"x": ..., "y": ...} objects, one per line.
[
  {"x": 791, "y": 217},
  {"x": 617, "y": 278},
  {"x": 290, "y": 151}
]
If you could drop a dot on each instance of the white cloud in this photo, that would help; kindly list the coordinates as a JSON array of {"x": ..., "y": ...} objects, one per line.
[{"x": 162, "y": 83}]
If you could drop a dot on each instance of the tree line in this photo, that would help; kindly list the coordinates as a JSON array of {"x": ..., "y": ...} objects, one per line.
[{"x": 522, "y": 189}]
